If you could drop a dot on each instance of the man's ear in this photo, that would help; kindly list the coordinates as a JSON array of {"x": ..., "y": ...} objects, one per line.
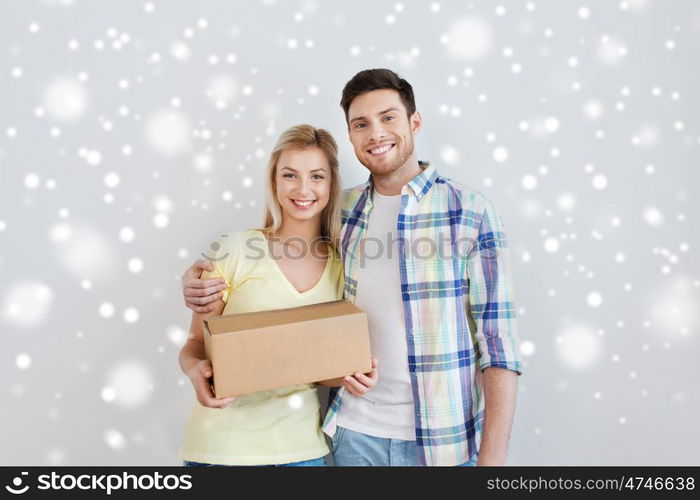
[{"x": 416, "y": 122}]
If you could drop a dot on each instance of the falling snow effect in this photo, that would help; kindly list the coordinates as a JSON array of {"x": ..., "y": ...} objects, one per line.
[
  {"x": 65, "y": 99},
  {"x": 128, "y": 385},
  {"x": 131, "y": 138},
  {"x": 27, "y": 303},
  {"x": 168, "y": 132},
  {"x": 578, "y": 347}
]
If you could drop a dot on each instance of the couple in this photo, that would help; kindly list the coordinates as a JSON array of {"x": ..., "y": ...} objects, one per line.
[{"x": 442, "y": 328}]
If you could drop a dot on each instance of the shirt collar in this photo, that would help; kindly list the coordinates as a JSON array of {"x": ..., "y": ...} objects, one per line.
[{"x": 418, "y": 186}]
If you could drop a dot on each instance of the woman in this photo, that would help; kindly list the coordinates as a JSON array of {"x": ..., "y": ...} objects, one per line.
[{"x": 291, "y": 262}]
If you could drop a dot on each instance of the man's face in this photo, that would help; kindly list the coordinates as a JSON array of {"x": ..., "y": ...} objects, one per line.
[{"x": 380, "y": 131}]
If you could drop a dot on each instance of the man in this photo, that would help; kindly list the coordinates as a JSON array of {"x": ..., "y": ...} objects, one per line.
[{"x": 426, "y": 259}]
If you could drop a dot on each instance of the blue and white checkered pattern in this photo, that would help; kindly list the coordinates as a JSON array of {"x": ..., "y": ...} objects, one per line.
[{"x": 458, "y": 306}]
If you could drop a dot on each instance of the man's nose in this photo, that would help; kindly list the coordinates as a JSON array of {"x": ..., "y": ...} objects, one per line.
[{"x": 377, "y": 132}]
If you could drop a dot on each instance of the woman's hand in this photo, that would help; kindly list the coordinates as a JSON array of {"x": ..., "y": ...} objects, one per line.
[
  {"x": 200, "y": 294},
  {"x": 360, "y": 384},
  {"x": 199, "y": 375}
]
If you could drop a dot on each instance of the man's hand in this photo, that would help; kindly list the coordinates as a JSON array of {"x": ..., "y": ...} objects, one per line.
[
  {"x": 199, "y": 375},
  {"x": 201, "y": 294},
  {"x": 359, "y": 384}
]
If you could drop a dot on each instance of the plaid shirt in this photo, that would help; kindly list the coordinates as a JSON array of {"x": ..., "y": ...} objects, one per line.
[{"x": 458, "y": 306}]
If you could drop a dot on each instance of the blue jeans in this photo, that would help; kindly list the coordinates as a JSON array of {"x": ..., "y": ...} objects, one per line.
[
  {"x": 314, "y": 462},
  {"x": 351, "y": 449}
]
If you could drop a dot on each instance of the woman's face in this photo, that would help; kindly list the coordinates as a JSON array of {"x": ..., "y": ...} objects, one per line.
[{"x": 303, "y": 180}]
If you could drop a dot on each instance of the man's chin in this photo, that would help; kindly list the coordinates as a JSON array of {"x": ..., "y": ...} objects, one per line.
[
  {"x": 385, "y": 165},
  {"x": 379, "y": 167}
]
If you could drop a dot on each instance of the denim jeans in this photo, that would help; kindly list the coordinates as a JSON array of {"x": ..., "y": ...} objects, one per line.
[
  {"x": 314, "y": 462},
  {"x": 351, "y": 449}
]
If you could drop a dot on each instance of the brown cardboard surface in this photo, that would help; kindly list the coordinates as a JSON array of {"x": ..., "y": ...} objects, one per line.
[{"x": 265, "y": 350}]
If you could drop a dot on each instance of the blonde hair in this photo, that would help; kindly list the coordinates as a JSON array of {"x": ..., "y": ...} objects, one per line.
[{"x": 301, "y": 137}]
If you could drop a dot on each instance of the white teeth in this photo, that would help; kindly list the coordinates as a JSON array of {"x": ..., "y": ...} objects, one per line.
[
  {"x": 303, "y": 203},
  {"x": 381, "y": 150}
]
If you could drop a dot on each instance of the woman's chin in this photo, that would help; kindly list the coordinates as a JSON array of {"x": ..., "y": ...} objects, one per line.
[{"x": 302, "y": 215}]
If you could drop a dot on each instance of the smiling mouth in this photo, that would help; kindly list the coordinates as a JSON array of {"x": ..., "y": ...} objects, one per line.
[
  {"x": 381, "y": 150},
  {"x": 303, "y": 203}
]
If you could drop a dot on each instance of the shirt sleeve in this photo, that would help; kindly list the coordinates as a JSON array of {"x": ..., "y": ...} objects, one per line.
[
  {"x": 224, "y": 255},
  {"x": 490, "y": 307}
]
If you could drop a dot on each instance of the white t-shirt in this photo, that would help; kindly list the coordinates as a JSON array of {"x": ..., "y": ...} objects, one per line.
[{"x": 387, "y": 410}]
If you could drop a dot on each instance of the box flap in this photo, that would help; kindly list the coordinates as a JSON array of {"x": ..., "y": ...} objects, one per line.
[{"x": 262, "y": 319}]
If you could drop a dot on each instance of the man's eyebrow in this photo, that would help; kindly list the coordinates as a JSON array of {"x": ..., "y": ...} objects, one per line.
[
  {"x": 378, "y": 114},
  {"x": 357, "y": 118}
]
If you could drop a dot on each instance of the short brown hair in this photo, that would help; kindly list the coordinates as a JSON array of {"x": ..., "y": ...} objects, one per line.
[{"x": 377, "y": 79}]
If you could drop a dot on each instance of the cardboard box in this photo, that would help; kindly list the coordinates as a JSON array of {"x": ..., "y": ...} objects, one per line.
[{"x": 265, "y": 350}]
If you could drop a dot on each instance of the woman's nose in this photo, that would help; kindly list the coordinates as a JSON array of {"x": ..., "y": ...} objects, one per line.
[{"x": 303, "y": 185}]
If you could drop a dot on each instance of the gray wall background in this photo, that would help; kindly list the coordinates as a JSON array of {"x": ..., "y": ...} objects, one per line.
[{"x": 132, "y": 133}]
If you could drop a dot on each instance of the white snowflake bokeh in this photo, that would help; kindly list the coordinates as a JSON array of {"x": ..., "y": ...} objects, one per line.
[{"x": 133, "y": 133}]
